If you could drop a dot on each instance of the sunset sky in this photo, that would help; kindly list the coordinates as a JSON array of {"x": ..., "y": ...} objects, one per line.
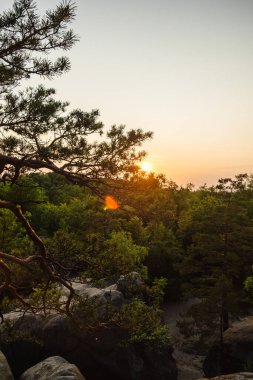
[{"x": 181, "y": 68}]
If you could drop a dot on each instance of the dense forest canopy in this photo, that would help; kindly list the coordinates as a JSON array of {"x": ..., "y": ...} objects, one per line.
[{"x": 199, "y": 240}]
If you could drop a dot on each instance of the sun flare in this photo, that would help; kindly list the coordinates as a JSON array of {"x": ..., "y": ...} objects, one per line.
[
  {"x": 110, "y": 203},
  {"x": 146, "y": 167}
]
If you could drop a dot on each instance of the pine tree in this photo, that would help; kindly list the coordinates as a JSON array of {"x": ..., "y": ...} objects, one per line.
[{"x": 37, "y": 132}]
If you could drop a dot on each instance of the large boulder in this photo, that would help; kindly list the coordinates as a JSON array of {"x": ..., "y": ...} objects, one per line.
[
  {"x": 53, "y": 368},
  {"x": 233, "y": 376},
  {"x": 5, "y": 372},
  {"x": 237, "y": 353},
  {"x": 98, "y": 354}
]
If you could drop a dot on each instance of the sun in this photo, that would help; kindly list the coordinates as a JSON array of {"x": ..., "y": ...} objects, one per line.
[{"x": 146, "y": 167}]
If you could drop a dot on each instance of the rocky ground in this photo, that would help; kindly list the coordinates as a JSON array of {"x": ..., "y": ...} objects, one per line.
[
  {"x": 189, "y": 365},
  {"x": 237, "y": 343},
  {"x": 238, "y": 356},
  {"x": 97, "y": 353}
]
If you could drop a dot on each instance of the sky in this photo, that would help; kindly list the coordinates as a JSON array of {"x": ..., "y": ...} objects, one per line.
[{"x": 180, "y": 68}]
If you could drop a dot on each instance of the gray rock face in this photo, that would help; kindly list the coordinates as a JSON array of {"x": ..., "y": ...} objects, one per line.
[
  {"x": 132, "y": 279},
  {"x": 233, "y": 376},
  {"x": 109, "y": 294},
  {"x": 97, "y": 354},
  {"x": 5, "y": 372},
  {"x": 237, "y": 355},
  {"x": 53, "y": 368}
]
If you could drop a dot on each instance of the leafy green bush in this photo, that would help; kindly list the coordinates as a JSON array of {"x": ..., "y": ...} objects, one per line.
[
  {"x": 117, "y": 256},
  {"x": 143, "y": 324}
]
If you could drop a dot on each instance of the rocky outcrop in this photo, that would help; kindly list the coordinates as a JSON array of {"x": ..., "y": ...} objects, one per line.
[
  {"x": 237, "y": 353},
  {"x": 233, "y": 376},
  {"x": 53, "y": 368},
  {"x": 98, "y": 354},
  {"x": 5, "y": 372},
  {"x": 130, "y": 285},
  {"x": 111, "y": 294}
]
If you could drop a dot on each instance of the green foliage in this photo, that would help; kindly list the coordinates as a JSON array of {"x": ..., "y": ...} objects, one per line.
[
  {"x": 157, "y": 291},
  {"x": 216, "y": 231},
  {"x": 248, "y": 286},
  {"x": 137, "y": 230},
  {"x": 164, "y": 258},
  {"x": 67, "y": 249},
  {"x": 46, "y": 298},
  {"x": 119, "y": 255},
  {"x": 24, "y": 34},
  {"x": 143, "y": 324},
  {"x": 221, "y": 241},
  {"x": 24, "y": 192},
  {"x": 10, "y": 334},
  {"x": 40, "y": 135},
  {"x": 248, "y": 283},
  {"x": 91, "y": 312},
  {"x": 57, "y": 190},
  {"x": 13, "y": 239},
  {"x": 37, "y": 133},
  {"x": 248, "y": 366}
]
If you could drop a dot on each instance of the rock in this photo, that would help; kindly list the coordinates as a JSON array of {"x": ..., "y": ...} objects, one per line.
[
  {"x": 233, "y": 376},
  {"x": 115, "y": 297},
  {"x": 112, "y": 287},
  {"x": 5, "y": 372},
  {"x": 90, "y": 292},
  {"x": 237, "y": 355},
  {"x": 98, "y": 354},
  {"x": 77, "y": 286},
  {"x": 130, "y": 285},
  {"x": 53, "y": 368},
  {"x": 103, "y": 296},
  {"x": 133, "y": 278}
]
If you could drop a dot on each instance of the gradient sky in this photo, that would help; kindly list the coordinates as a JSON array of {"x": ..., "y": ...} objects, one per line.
[{"x": 181, "y": 68}]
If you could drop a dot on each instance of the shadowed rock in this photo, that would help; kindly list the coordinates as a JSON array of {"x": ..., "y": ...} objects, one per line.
[
  {"x": 237, "y": 354},
  {"x": 53, "y": 368},
  {"x": 233, "y": 376},
  {"x": 5, "y": 372},
  {"x": 98, "y": 354}
]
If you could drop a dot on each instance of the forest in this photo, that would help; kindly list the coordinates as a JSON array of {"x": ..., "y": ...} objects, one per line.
[
  {"x": 77, "y": 212},
  {"x": 185, "y": 243},
  {"x": 195, "y": 243}
]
